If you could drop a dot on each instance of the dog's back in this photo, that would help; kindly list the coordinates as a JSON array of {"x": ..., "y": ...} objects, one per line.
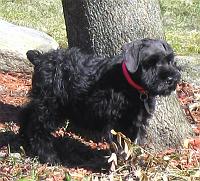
[{"x": 60, "y": 72}]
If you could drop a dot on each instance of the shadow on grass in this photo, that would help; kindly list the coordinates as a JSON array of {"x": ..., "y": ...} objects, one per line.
[{"x": 72, "y": 153}]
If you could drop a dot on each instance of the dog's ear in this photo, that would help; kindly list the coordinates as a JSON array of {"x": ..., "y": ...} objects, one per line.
[
  {"x": 131, "y": 55},
  {"x": 33, "y": 56}
]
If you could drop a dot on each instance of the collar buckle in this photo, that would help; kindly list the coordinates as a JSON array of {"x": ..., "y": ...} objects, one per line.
[{"x": 144, "y": 96}]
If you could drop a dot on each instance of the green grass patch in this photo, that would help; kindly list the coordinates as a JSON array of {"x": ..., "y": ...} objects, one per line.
[
  {"x": 182, "y": 25},
  {"x": 181, "y": 14},
  {"x": 181, "y": 20},
  {"x": 43, "y": 15},
  {"x": 184, "y": 42}
]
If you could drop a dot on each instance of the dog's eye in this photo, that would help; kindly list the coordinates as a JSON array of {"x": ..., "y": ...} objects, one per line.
[{"x": 150, "y": 61}]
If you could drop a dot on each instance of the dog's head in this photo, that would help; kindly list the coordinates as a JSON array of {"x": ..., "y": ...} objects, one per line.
[{"x": 152, "y": 63}]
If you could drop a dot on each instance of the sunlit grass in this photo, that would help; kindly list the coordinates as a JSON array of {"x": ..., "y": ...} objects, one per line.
[
  {"x": 43, "y": 15},
  {"x": 181, "y": 20},
  {"x": 184, "y": 42},
  {"x": 182, "y": 25}
]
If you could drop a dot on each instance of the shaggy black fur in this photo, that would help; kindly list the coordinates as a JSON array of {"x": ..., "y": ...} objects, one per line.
[{"x": 92, "y": 92}]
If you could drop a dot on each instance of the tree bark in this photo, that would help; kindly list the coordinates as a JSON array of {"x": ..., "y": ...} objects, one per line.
[
  {"x": 102, "y": 27},
  {"x": 190, "y": 68},
  {"x": 168, "y": 126}
]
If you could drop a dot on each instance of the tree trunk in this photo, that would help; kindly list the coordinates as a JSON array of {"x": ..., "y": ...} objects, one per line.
[
  {"x": 168, "y": 127},
  {"x": 102, "y": 27},
  {"x": 190, "y": 68}
]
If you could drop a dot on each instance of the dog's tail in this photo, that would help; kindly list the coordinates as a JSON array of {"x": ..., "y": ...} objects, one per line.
[{"x": 33, "y": 56}]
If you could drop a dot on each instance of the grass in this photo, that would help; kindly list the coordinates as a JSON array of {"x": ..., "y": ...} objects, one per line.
[
  {"x": 182, "y": 25},
  {"x": 43, "y": 15},
  {"x": 181, "y": 20}
]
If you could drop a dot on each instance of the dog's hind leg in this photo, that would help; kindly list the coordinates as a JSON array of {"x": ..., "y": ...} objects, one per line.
[
  {"x": 42, "y": 145},
  {"x": 37, "y": 123}
]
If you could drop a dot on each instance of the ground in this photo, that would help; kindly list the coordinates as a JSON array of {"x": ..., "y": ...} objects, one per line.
[
  {"x": 181, "y": 163},
  {"x": 182, "y": 28}
]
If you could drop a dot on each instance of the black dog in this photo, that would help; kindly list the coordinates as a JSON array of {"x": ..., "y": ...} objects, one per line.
[{"x": 96, "y": 94}]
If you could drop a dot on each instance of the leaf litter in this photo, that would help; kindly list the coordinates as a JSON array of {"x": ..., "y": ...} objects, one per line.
[{"x": 130, "y": 162}]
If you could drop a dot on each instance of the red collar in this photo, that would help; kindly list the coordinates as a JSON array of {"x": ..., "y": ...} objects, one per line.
[{"x": 130, "y": 81}]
